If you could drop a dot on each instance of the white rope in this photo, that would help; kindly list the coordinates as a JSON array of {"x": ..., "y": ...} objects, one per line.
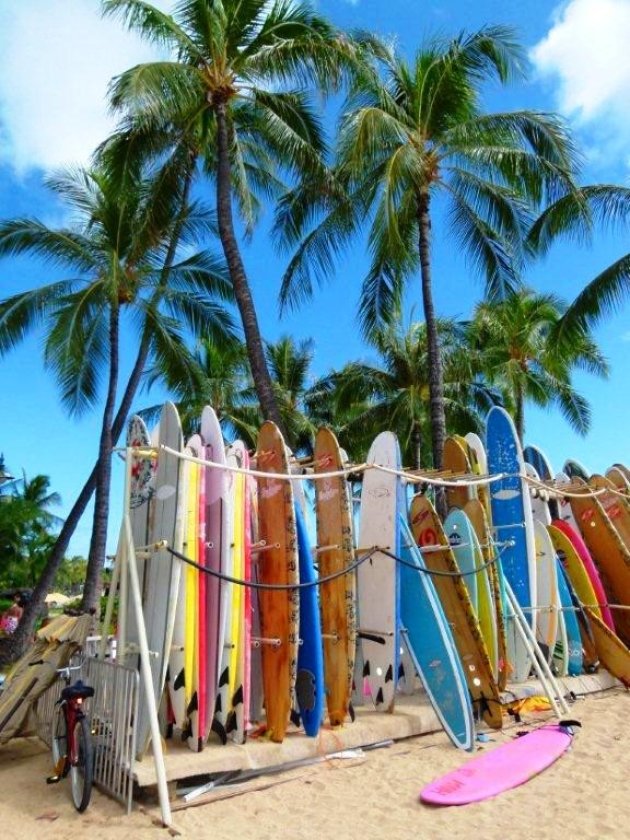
[{"x": 415, "y": 478}]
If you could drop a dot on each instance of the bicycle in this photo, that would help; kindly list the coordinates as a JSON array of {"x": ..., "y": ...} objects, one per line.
[{"x": 72, "y": 747}]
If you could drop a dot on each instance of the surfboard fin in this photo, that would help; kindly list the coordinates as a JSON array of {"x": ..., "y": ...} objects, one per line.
[
  {"x": 180, "y": 680},
  {"x": 366, "y": 668},
  {"x": 218, "y": 728},
  {"x": 379, "y": 697},
  {"x": 351, "y": 712},
  {"x": 237, "y": 697},
  {"x": 193, "y": 706},
  {"x": 295, "y": 718},
  {"x": 230, "y": 723},
  {"x": 401, "y": 672},
  {"x": 389, "y": 675},
  {"x": 225, "y": 677}
]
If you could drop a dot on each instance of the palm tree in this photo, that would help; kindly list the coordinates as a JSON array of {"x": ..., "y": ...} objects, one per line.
[
  {"x": 418, "y": 137},
  {"x": 393, "y": 393},
  {"x": 234, "y": 94},
  {"x": 290, "y": 367},
  {"x": 516, "y": 344},
  {"x": 576, "y": 215},
  {"x": 120, "y": 255},
  {"x": 219, "y": 376}
]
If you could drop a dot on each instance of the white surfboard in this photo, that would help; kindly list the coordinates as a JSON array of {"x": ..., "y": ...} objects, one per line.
[{"x": 377, "y": 578}]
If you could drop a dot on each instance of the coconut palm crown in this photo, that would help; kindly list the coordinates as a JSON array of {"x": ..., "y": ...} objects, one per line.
[
  {"x": 234, "y": 90},
  {"x": 418, "y": 137}
]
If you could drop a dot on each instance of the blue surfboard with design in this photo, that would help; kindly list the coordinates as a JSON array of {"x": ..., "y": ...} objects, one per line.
[
  {"x": 309, "y": 686},
  {"x": 431, "y": 645}
]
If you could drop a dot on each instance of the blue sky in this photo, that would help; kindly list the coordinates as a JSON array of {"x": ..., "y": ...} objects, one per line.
[{"x": 57, "y": 57}]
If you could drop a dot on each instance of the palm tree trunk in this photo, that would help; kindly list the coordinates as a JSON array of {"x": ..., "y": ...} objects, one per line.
[
  {"x": 436, "y": 376},
  {"x": 519, "y": 413},
  {"x": 416, "y": 445},
  {"x": 96, "y": 557},
  {"x": 242, "y": 291}
]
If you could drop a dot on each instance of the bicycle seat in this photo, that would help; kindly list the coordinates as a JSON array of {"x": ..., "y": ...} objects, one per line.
[{"x": 76, "y": 691}]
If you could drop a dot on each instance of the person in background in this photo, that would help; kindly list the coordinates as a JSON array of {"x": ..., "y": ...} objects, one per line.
[{"x": 11, "y": 618}]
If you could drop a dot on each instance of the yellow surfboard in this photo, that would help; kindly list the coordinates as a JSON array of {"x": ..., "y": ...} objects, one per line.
[{"x": 456, "y": 460}]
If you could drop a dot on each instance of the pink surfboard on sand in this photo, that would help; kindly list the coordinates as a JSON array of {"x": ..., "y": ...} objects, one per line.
[
  {"x": 591, "y": 569},
  {"x": 500, "y": 769}
]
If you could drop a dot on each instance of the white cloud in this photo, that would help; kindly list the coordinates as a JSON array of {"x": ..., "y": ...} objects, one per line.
[
  {"x": 58, "y": 57},
  {"x": 586, "y": 54}
]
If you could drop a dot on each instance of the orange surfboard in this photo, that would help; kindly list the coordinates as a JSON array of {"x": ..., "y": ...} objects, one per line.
[
  {"x": 338, "y": 597},
  {"x": 277, "y": 564}
]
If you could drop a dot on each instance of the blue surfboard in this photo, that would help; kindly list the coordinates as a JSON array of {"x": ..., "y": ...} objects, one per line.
[
  {"x": 512, "y": 521},
  {"x": 537, "y": 458},
  {"x": 571, "y": 623},
  {"x": 458, "y": 529},
  {"x": 432, "y": 647},
  {"x": 309, "y": 686}
]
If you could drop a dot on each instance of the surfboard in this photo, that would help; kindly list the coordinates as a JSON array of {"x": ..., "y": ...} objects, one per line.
[
  {"x": 610, "y": 554},
  {"x": 277, "y": 564},
  {"x": 538, "y": 497},
  {"x": 195, "y": 666},
  {"x": 500, "y": 769},
  {"x": 338, "y": 597},
  {"x": 218, "y": 557},
  {"x": 309, "y": 684},
  {"x": 564, "y": 506},
  {"x": 459, "y": 535},
  {"x": 378, "y": 578},
  {"x": 571, "y": 637},
  {"x": 479, "y": 463},
  {"x": 176, "y": 665},
  {"x": 475, "y": 512},
  {"x": 614, "y": 655},
  {"x": 429, "y": 534},
  {"x": 586, "y": 561},
  {"x": 536, "y": 457},
  {"x": 162, "y": 570},
  {"x": 575, "y": 469},
  {"x": 513, "y": 523},
  {"x": 618, "y": 478},
  {"x": 615, "y": 506},
  {"x": 432, "y": 646},
  {"x": 141, "y": 491},
  {"x": 240, "y": 660},
  {"x": 547, "y": 599},
  {"x": 455, "y": 459}
]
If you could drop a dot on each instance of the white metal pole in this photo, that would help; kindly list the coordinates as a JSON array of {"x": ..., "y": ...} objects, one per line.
[
  {"x": 147, "y": 679},
  {"x": 539, "y": 661}
]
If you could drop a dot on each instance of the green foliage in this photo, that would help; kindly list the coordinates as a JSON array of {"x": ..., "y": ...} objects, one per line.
[
  {"x": 26, "y": 536},
  {"x": 70, "y": 575}
]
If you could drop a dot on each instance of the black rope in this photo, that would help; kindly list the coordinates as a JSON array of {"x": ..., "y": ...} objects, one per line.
[
  {"x": 282, "y": 587},
  {"x": 288, "y": 587}
]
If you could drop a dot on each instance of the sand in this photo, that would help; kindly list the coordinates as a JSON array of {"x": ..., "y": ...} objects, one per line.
[{"x": 375, "y": 796}]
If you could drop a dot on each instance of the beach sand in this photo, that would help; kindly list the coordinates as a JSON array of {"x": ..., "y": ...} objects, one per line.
[{"x": 375, "y": 796}]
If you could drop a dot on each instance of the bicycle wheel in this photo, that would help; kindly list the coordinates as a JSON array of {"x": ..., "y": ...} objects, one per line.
[
  {"x": 82, "y": 767},
  {"x": 59, "y": 740}
]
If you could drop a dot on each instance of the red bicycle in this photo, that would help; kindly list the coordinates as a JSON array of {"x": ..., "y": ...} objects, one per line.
[{"x": 72, "y": 747}]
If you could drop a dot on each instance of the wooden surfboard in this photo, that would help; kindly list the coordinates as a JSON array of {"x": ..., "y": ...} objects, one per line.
[
  {"x": 618, "y": 478},
  {"x": 615, "y": 506},
  {"x": 429, "y": 533},
  {"x": 277, "y": 564},
  {"x": 610, "y": 554},
  {"x": 338, "y": 597},
  {"x": 455, "y": 459},
  {"x": 614, "y": 655}
]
